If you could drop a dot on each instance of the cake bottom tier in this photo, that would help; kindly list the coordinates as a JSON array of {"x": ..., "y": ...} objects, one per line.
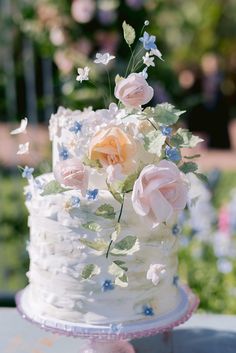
[
  {"x": 183, "y": 311},
  {"x": 122, "y": 308}
]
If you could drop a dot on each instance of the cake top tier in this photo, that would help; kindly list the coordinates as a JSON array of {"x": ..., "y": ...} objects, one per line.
[{"x": 127, "y": 147}]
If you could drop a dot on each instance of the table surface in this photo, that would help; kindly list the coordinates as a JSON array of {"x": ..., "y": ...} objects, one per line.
[{"x": 201, "y": 334}]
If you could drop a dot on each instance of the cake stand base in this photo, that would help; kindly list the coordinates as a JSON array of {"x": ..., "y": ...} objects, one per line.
[
  {"x": 113, "y": 338},
  {"x": 109, "y": 347}
]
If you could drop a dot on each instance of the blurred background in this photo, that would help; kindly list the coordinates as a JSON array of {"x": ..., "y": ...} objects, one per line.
[{"x": 42, "y": 43}]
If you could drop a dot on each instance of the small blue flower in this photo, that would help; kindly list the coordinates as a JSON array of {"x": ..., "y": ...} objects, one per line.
[
  {"x": 107, "y": 285},
  {"x": 175, "y": 280},
  {"x": 76, "y": 127},
  {"x": 175, "y": 229},
  {"x": 173, "y": 154},
  {"x": 38, "y": 184},
  {"x": 148, "y": 41},
  {"x": 75, "y": 201},
  {"x": 148, "y": 311},
  {"x": 115, "y": 328},
  {"x": 27, "y": 172},
  {"x": 63, "y": 153},
  {"x": 28, "y": 196},
  {"x": 166, "y": 130},
  {"x": 92, "y": 194}
]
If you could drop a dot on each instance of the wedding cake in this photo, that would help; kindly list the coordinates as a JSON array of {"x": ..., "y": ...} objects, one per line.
[{"x": 104, "y": 224}]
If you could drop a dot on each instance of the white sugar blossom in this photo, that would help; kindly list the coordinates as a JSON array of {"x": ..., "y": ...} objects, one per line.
[
  {"x": 73, "y": 143},
  {"x": 23, "y": 148},
  {"x": 114, "y": 173},
  {"x": 148, "y": 60},
  {"x": 156, "y": 52},
  {"x": 156, "y": 272},
  {"x": 83, "y": 74},
  {"x": 22, "y": 128},
  {"x": 113, "y": 110},
  {"x": 103, "y": 58}
]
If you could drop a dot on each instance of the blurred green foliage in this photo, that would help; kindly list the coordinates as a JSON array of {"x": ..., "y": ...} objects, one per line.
[
  {"x": 198, "y": 267},
  {"x": 225, "y": 184},
  {"x": 185, "y": 31},
  {"x": 13, "y": 234}
]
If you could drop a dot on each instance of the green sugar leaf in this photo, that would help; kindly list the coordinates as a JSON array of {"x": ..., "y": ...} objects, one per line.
[
  {"x": 167, "y": 114},
  {"x": 126, "y": 246},
  {"x": 202, "y": 177},
  {"x": 177, "y": 140},
  {"x": 106, "y": 211},
  {"x": 117, "y": 270},
  {"x": 148, "y": 112},
  {"x": 99, "y": 245},
  {"x": 122, "y": 281},
  {"x": 118, "y": 78},
  {"x": 188, "y": 167},
  {"x": 92, "y": 163},
  {"x": 53, "y": 187},
  {"x": 89, "y": 271},
  {"x": 117, "y": 195},
  {"x": 129, "y": 33},
  {"x": 154, "y": 141},
  {"x": 192, "y": 157},
  {"x": 121, "y": 264},
  {"x": 128, "y": 183},
  {"x": 93, "y": 226},
  {"x": 189, "y": 140},
  {"x": 116, "y": 232}
]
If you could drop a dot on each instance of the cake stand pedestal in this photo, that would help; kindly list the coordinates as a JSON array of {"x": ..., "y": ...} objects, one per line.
[{"x": 113, "y": 338}]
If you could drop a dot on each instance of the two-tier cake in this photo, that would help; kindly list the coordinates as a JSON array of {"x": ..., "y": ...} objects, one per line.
[{"x": 104, "y": 224}]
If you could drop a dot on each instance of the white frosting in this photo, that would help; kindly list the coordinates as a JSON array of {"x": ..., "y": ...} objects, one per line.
[{"x": 57, "y": 258}]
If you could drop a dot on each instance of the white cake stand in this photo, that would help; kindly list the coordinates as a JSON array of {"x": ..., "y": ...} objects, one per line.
[{"x": 113, "y": 338}]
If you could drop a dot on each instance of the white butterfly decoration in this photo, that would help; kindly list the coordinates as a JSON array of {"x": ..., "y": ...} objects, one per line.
[
  {"x": 22, "y": 128},
  {"x": 103, "y": 58},
  {"x": 23, "y": 148},
  {"x": 83, "y": 74}
]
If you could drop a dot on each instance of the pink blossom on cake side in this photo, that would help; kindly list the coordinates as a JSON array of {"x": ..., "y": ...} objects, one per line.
[
  {"x": 112, "y": 146},
  {"x": 159, "y": 192},
  {"x": 133, "y": 91},
  {"x": 72, "y": 173}
]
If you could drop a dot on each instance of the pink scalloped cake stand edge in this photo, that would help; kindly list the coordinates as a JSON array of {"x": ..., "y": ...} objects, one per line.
[{"x": 128, "y": 331}]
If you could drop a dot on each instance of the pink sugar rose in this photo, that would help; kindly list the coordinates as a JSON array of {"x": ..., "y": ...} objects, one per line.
[
  {"x": 159, "y": 192},
  {"x": 133, "y": 91},
  {"x": 72, "y": 173}
]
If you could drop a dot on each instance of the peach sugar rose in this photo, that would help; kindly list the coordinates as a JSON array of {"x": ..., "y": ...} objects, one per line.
[
  {"x": 159, "y": 192},
  {"x": 111, "y": 147},
  {"x": 133, "y": 91}
]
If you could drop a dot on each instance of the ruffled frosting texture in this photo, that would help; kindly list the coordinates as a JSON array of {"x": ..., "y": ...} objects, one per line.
[{"x": 57, "y": 258}]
